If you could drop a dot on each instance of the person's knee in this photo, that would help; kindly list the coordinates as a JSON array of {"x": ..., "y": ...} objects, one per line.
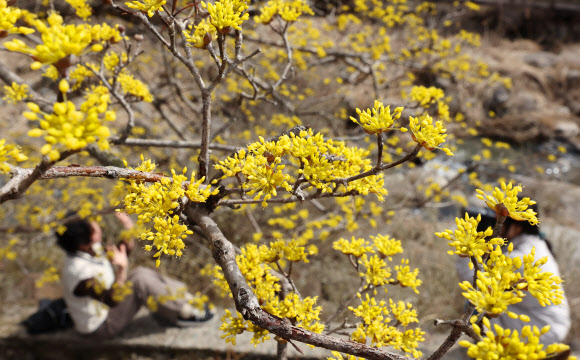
[{"x": 140, "y": 274}]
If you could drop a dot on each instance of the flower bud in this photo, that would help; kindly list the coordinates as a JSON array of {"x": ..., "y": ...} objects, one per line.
[{"x": 63, "y": 86}]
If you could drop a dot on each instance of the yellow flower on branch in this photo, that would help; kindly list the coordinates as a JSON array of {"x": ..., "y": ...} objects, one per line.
[
  {"x": 426, "y": 96},
  {"x": 226, "y": 14},
  {"x": 378, "y": 119},
  {"x": 7, "y": 252},
  {"x": 508, "y": 196},
  {"x": 71, "y": 127},
  {"x": 501, "y": 284},
  {"x": 135, "y": 87},
  {"x": 377, "y": 272},
  {"x": 9, "y": 15},
  {"x": 264, "y": 177},
  {"x": 355, "y": 247},
  {"x": 428, "y": 135},
  {"x": 542, "y": 285},
  {"x": 406, "y": 277},
  {"x": 468, "y": 242},
  {"x": 148, "y": 6},
  {"x": 387, "y": 246},
  {"x": 202, "y": 36},
  {"x": 289, "y": 11},
  {"x": 59, "y": 41},
  {"x": 83, "y": 10},
  {"x": 500, "y": 343},
  {"x": 11, "y": 151}
]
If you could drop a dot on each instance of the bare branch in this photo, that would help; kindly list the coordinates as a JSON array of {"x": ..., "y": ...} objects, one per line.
[{"x": 177, "y": 144}]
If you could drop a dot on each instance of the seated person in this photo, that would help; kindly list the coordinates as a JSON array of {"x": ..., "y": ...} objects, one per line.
[
  {"x": 524, "y": 237},
  {"x": 89, "y": 280}
]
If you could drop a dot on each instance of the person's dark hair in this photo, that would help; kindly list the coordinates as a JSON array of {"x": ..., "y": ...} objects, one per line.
[
  {"x": 527, "y": 228},
  {"x": 78, "y": 232}
]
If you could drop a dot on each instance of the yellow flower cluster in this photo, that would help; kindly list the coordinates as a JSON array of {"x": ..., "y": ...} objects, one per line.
[
  {"x": 78, "y": 74},
  {"x": 9, "y": 15},
  {"x": 373, "y": 268},
  {"x": 468, "y": 242},
  {"x": 198, "y": 301},
  {"x": 355, "y": 247},
  {"x": 83, "y": 10},
  {"x": 320, "y": 160},
  {"x": 50, "y": 274},
  {"x": 59, "y": 40},
  {"x": 119, "y": 292},
  {"x": 406, "y": 277},
  {"x": 427, "y": 135},
  {"x": 15, "y": 93},
  {"x": 426, "y": 96},
  {"x": 387, "y": 246},
  {"x": 9, "y": 151},
  {"x": 294, "y": 250},
  {"x": 227, "y": 14},
  {"x": 157, "y": 202},
  {"x": 338, "y": 356},
  {"x": 255, "y": 269},
  {"x": 71, "y": 127},
  {"x": 376, "y": 326},
  {"x": 135, "y": 87},
  {"x": 148, "y": 6},
  {"x": 508, "y": 196},
  {"x": 379, "y": 119},
  {"x": 7, "y": 252},
  {"x": 302, "y": 312},
  {"x": 500, "y": 343},
  {"x": 501, "y": 285},
  {"x": 541, "y": 284},
  {"x": 378, "y": 273},
  {"x": 288, "y": 10},
  {"x": 202, "y": 36}
]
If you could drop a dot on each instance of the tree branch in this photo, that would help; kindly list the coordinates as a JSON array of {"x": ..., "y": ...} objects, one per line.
[{"x": 247, "y": 302}]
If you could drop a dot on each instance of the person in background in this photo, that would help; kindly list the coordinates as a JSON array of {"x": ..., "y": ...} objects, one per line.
[
  {"x": 102, "y": 296},
  {"x": 524, "y": 237}
]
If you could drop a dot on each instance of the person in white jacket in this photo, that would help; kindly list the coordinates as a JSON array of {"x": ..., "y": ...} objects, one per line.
[
  {"x": 89, "y": 278},
  {"x": 524, "y": 237}
]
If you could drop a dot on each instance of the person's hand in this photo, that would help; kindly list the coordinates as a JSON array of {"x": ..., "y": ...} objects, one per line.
[
  {"x": 124, "y": 219},
  {"x": 119, "y": 256}
]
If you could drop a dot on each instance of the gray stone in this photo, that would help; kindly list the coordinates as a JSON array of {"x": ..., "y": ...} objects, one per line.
[{"x": 542, "y": 59}]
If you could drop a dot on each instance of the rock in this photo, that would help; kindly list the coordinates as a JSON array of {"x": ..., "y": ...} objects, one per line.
[
  {"x": 573, "y": 78},
  {"x": 525, "y": 101},
  {"x": 542, "y": 59},
  {"x": 566, "y": 128},
  {"x": 517, "y": 128}
]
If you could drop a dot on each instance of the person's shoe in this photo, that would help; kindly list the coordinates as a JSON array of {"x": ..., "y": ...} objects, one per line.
[{"x": 197, "y": 319}]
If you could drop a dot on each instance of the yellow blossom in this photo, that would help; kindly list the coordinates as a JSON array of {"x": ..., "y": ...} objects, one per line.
[
  {"x": 59, "y": 40},
  {"x": 427, "y": 135},
  {"x": 355, "y": 247},
  {"x": 9, "y": 15},
  {"x": 508, "y": 196},
  {"x": 71, "y": 127},
  {"x": 202, "y": 36},
  {"x": 379, "y": 119},
  {"x": 500, "y": 343},
  {"x": 148, "y": 6},
  {"x": 468, "y": 242},
  {"x": 226, "y": 14},
  {"x": 15, "y": 93}
]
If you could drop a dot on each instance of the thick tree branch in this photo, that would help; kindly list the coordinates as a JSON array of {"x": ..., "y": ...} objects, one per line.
[
  {"x": 22, "y": 179},
  {"x": 247, "y": 302}
]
